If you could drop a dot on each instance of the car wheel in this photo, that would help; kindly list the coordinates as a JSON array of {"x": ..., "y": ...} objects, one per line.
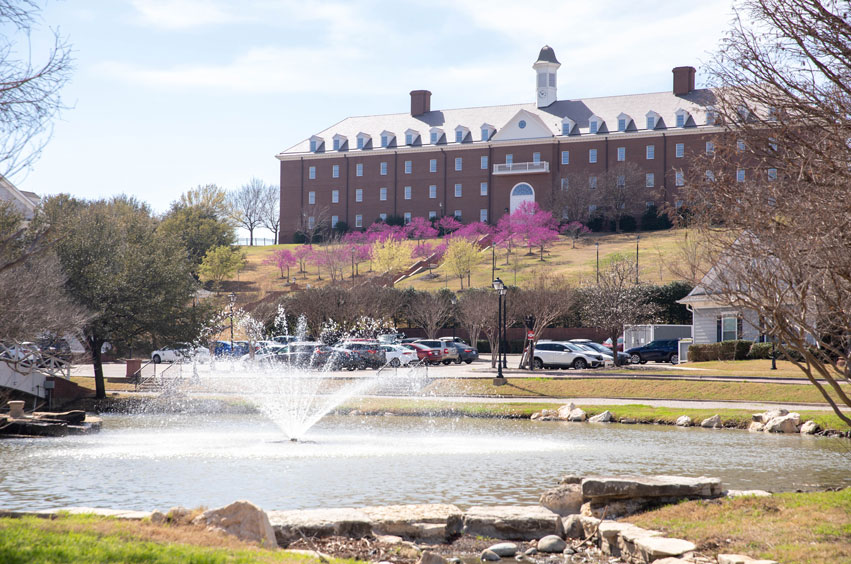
[
  {"x": 635, "y": 358},
  {"x": 675, "y": 359},
  {"x": 156, "y": 358},
  {"x": 458, "y": 360},
  {"x": 538, "y": 364},
  {"x": 351, "y": 368},
  {"x": 446, "y": 362},
  {"x": 469, "y": 361},
  {"x": 394, "y": 362},
  {"x": 580, "y": 364}
]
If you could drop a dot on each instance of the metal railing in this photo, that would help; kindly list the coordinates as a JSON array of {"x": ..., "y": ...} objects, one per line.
[
  {"x": 27, "y": 359},
  {"x": 519, "y": 168}
]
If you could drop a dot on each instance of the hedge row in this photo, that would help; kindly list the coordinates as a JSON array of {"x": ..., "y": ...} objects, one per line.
[{"x": 725, "y": 350}]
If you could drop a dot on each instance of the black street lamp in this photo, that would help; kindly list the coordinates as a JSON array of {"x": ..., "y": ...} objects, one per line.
[
  {"x": 232, "y": 300},
  {"x": 637, "y": 238},
  {"x": 500, "y": 290},
  {"x": 597, "y": 244}
]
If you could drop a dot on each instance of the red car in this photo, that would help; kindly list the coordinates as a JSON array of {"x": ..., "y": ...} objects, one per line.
[{"x": 426, "y": 354}]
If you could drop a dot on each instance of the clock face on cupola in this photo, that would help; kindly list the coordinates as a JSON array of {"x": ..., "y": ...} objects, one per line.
[{"x": 545, "y": 71}]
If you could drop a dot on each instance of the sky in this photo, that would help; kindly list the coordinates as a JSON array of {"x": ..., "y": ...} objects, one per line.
[{"x": 170, "y": 94}]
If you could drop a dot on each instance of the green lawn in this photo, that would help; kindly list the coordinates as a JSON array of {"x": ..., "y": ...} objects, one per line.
[{"x": 741, "y": 368}]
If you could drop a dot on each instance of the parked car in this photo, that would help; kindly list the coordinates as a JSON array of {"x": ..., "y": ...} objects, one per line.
[
  {"x": 284, "y": 339},
  {"x": 466, "y": 353},
  {"x": 425, "y": 353},
  {"x": 608, "y": 343},
  {"x": 665, "y": 350},
  {"x": 179, "y": 353},
  {"x": 623, "y": 358},
  {"x": 391, "y": 338},
  {"x": 397, "y": 355},
  {"x": 369, "y": 352},
  {"x": 564, "y": 354},
  {"x": 334, "y": 358},
  {"x": 263, "y": 350},
  {"x": 450, "y": 354},
  {"x": 300, "y": 354}
]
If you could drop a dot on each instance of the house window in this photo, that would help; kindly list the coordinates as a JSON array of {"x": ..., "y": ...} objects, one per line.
[
  {"x": 679, "y": 180},
  {"x": 484, "y": 164},
  {"x": 432, "y": 191},
  {"x": 483, "y": 189},
  {"x": 509, "y": 159},
  {"x": 651, "y": 152},
  {"x": 382, "y": 216},
  {"x": 311, "y": 173},
  {"x": 592, "y": 127},
  {"x": 459, "y": 136},
  {"x": 621, "y": 154},
  {"x": 772, "y": 174},
  {"x": 358, "y": 220},
  {"x": 592, "y": 155},
  {"x": 651, "y": 122},
  {"x": 710, "y": 147},
  {"x": 681, "y": 120},
  {"x": 311, "y": 222},
  {"x": 335, "y": 171},
  {"x": 729, "y": 328},
  {"x": 458, "y": 215},
  {"x": 483, "y": 215},
  {"x": 382, "y": 168},
  {"x": 679, "y": 150},
  {"x": 458, "y": 190},
  {"x": 621, "y": 181},
  {"x": 565, "y": 157},
  {"x": 459, "y": 163},
  {"x": 407, "y": 192},
  {"x": 382, "y": 194},
  {"x": 621, "y": 124},
  {"x": 649, "y": 180},
  {"x": 407, "y": 218},
  {"x": 311, "y": 198},
  {"x": 335, "y": 196},
  {"x": 592, "y": 182},
  {"x": 359, "y": 169},
  {"x": 432, "y": 165},
  {"x": 335, "y": 219},
  {"x": 359, "y": 195},
  {"x": 740, "y": 175},
  {"x": 360, "y": 142},
  {"x": 408, "y": 167},
  {"x": 432, "y": 215},
  {"x": 536, "y": 157}
]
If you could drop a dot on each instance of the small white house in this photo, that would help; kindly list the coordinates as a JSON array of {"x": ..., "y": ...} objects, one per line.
[
  {"x": 713, "y": 320},
  {"x": 24, "y": 202}
]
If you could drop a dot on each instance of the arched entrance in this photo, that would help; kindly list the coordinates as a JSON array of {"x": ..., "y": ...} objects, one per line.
[{"x": 522, "y": 192}]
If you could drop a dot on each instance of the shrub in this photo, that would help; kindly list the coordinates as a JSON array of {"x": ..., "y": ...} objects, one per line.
[
  {"x": 597, "y": 223},
  {"x": 652, "y": 220},
  {"x": 760, "y": 351},
  {"x": 704, "y": 353},
  {"x": 734, "y": 350},
  {"x": 628, "y": 224}
]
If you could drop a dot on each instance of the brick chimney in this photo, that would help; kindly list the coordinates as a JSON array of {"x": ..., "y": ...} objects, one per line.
[
  {"x": 683, "y": 80},
  {"x": 420, "y": 102}
]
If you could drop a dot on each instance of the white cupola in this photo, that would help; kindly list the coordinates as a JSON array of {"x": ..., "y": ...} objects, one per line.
[{"x": 545, "y": 80}]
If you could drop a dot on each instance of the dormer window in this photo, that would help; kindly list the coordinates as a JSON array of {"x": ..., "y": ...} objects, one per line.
[
  {"x": 387, "y": 138},
  {"x": 711, "y": 117},
  {"x": 411, "y": 136},
  {"x": 340, "y": 142},
  {"x": 461, "y": 133},
  {"x": 487, "y": 131},
  {"x": 623, "y": 122},
  {"x": 316, "y": 143},
  {"x": 567, "y": 126},
  {"x": 595, "y": 124},
  {"x": 364, "y": 140},
  {"x": 652, "y": 120},
  {"x": 435, "y": 135},
  {"x": 682, "y": 118}
]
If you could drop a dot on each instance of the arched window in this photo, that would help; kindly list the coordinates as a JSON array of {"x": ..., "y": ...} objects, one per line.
[{"x": 520, "y": 194}]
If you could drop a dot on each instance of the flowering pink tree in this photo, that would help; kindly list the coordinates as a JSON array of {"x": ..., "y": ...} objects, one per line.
[
  {"x": 505, "y": 236},
  {"x": 420, "y": 228},
  {"x": 379, "y": 232},
  {"x": 282, "y": 258},
  {"x": 302, "y": 254},
  {"x": 574, "y": 230},
  {"x": 448, "y": 224},
  {"x": 473, "y": 230},
  {"x": 541, "y": 235},
  {"x": 423, "y": 251}
]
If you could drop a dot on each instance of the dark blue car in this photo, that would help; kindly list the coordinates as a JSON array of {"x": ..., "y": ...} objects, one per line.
[{"x": 659, "y": 351}]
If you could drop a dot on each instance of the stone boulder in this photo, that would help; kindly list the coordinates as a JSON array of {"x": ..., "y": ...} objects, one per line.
[
  {"x": 577, "y": 415},
  {"x": 504, "y": 549},
  {"x": 565, "y": 411},
  {"x": 604, "y": 488},
  {"x": 767, "y": 416},
  {"x": 490, "y": 556},
  {"x": 628, "y": 420},
  {"x": 684, "y": 421},
  {"x": 289, "y": 526},
  {"x": 655, "y": 548},
  {"x": 605, "y": 417},
  {"x": 551, "y": 544},
  {"x": 435, "y": 522},
  {"x": 572, "y": 525},
  {"x": 783, "y": 424},
  {"x": 513, "y": 522},
  {"x": 241, "y": 519},
  {"x": 545, "y": 415},
  {"x": 756, "y": 427},
  {"x": 564, "y": 499},
  {"x": 429, "y": 557},
  {"x": 713, "y": 422},
  {"x": 571, "y": 479},
  {"x": 741, "y": 559},
  {"x": 810, "y": 428}
]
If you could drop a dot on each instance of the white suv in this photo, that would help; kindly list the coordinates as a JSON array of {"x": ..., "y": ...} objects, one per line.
[{"x": 562, "y": 354}]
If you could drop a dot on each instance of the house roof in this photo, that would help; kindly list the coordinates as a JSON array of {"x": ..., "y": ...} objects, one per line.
[
  {"x": 24, "y": 202},
  {"x": 666, "y": 104}
]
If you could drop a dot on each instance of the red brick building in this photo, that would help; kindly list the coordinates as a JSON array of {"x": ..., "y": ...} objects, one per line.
[{"x": 476, "y": 163}]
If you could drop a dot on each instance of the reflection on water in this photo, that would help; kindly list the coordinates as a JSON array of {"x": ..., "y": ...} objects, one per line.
[{"x": 156, "y": 461}]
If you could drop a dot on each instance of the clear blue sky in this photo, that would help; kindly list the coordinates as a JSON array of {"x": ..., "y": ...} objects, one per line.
[{"x": 167, "y": 95}]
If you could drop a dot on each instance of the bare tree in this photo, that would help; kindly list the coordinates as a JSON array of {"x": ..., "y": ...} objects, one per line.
[
  {"x": 430, "y": 310},
  {"x": 476, "y": 309},
  {"x": 29, "y": 91},
  {"x": 571, "y": 199},
  {"x": 247, "y": 205},
  {"x": 621, "y": 191},
  {"x": 772, "y": 200},
  {"x": 616, "y": 300},
  {"x": 270, "y": 214},
  {"x": 315, "y": 219},
  {"x": 545, "y": 299}
]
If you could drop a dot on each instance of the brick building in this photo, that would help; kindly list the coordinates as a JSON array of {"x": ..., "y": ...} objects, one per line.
[{"x": 479, "y": 163}]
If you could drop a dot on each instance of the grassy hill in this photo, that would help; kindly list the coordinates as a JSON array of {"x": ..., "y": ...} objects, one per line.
[{"x": 658, "y": 256}]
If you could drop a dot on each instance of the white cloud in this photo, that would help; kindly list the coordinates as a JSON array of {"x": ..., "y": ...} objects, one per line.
[{"x": 184, "y": 14}]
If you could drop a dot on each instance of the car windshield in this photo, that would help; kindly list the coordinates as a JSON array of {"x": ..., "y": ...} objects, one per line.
[
  {"x": 575, "y": 348},
  {"x": 598, "y": 347},
  {"x": 658, "y": 343}
]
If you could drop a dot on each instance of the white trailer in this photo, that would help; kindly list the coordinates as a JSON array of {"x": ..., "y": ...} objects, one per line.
[{"x": 638, "y": 335}]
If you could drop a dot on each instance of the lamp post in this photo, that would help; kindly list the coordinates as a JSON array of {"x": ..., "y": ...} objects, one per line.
[
  {"x": 597, "y": 245},
  {"x": 773, "y": 354},
  {"x": 353, "y": 263},
  {"x": 637, "y": 238},
  {"x": 232, "y": 301},
  {"x": 500, "y": 290}
]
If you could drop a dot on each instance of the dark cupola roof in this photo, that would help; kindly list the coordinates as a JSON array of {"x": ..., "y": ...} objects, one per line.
[{"x": 547, "y": 55}]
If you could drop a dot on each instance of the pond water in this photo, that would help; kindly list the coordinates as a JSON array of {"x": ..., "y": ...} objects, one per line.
[{"x": 156, "y": 461}]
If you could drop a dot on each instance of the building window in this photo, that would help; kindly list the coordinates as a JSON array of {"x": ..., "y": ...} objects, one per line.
[
  {"x": 408, "y": 167},
  {"x": 649, "y": 180},
  {"x": 509, "y": 159},
  {"x": 359, "y": 169},
  {"x": 458, "y": 215},
  {"x": 459, "y": 163},
  {"x": 311, "y": 198},
  {"x": 311, "y": 173},
  {"x": 483, "y": 189},
  {"x": 592, "y": 182},
  {"x": 360, "y": 142},
  {"x": 621, "y": 181},
  {"x": 484, "y": 165},
  {"x": 679, "y": 204},
  {"x": 432, "y": 165},
  {"x": 772, "y": 174},
  {"x": 565, "y": 183},
  {"x": 409, "y": 139},
  {"x": 592, "y": 208},
  {"x": 382, "y": 216},
  {"x": 592, "y": 155},
  {"x": 710, "y": 147},
  {"x": 358, "y": 220},
  {"x": 483, "y": 215},
  {"x": 679, "y": 179},
  {"x": 382, "y": 194},
  {"x": 565, "y": 128},
  {"x": 432, "y": 191},
  {"x": 681, "y": 120},
  {"x": 485, "y": 134},
  {"x": 382, "y": 168},
  {"x": 432, "y": 215},
  {"x": 679, "y": 150},
  {"x": 407, "y": 192},
  {"x": 621, "y": 154},
  {"x": 729, "y": 328},
  {"x": 565, "y": 157},
  {"x": 407, "y": 218},
  {"x": 312, "y": 146},
  {"x": 385, "y": 140},
  {"x": 649, "y": 204},
  {"x": 740, "y": 175},
  {"x": 335, "y": 219},
  {"x": 621, "y": 124},
  {"x": 335, "y": 171},
  {"x": 336, "y": 144},
  {"x": 740, "y": 145},
  {"x": 434, "y": 137},
  {"x": 459, "y": 136},
  {"x": 458, "y": 190},
  {"x": 359, "y": 195},
  {"x": 536, "y": 157},
  {"x": 592, "y": 127},
  {"x": 651, "y": 152},
  {"x": 311, "y": 222},
  {"x": 651, "y": 122},
  {"x": 710, "y": 176},
  {"x": 335, "y": 196}
]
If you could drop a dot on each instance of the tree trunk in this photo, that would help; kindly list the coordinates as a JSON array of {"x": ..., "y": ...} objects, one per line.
[
  {"x": 250, "y": 237},
  {"x": 95, "y": 346},
  {"x": 614, "y": 339}
]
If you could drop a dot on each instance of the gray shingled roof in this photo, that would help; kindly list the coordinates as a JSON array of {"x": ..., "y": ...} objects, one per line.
[
  {"x": 666, "y": 104},
  {"x": 547, "y": 55}
]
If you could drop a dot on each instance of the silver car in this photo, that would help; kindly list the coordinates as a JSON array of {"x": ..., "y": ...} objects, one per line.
[{"x": 563, "y": 354}]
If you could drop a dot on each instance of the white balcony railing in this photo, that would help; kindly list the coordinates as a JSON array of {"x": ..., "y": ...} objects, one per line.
[{"x": 521, "y": 168}]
